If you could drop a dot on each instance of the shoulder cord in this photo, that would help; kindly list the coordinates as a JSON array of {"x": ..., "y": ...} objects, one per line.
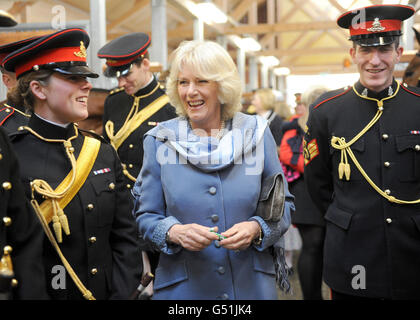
[
  {"x": 43, "y": 188},
  {"x": 59, "y": 218},
  {"x": 109, "y": 126},
  {"x": 340, "y": 144}
]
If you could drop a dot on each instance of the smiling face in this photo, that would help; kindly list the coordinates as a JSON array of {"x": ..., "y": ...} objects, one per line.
[
  {"x": 65, "y": 98},
  {"x": 376, "y": 65},
  {"x": 200, "y": 100}
]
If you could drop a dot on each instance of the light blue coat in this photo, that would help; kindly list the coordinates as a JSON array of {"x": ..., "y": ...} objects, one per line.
[{"x": 210, "y": 194}]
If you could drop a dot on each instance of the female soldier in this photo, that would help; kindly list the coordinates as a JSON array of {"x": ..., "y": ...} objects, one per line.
[
  {"x": 220, "y": 190},
  {"x": 92, "y": 231}
]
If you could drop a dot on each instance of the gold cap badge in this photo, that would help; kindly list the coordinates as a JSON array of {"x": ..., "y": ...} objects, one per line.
[{"x": 82, "y": 52}]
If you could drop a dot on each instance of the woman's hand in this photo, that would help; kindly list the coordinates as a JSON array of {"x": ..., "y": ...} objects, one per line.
[
  {"x": 193, "y": 237},
  {"x": 240, "y": 236}
]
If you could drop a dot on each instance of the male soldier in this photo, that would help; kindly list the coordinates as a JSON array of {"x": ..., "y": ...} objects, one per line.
[
  {"x": 20, "y": 264},
  {"x": 136, "y": 107},
  {"x": 12, "y": 113},
  {"x": 362, "y": 161}
]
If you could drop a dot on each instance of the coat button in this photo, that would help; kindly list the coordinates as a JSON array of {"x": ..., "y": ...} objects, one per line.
[
  {"x": 130, "y": 166},
  {"x": 6, "y": 185},
  {"x": 221, "y": 270},
  {"x": 386, "y": 164},
  {"x": 417, "y": 147},
  {"x": 92, "y": 239},
  {"x": 214, "y": 218},
  {"x": 1, "y": 156},
  {"x": 94, "y": 271},
  {"x": 14, "y": 283},
  {"x": 90, "y": 207},
  {"x": 225, "y": 296},
  {"x": 7, "y": 221},
  {"x": 128, "y": 186},
  {"x": 385, "y": 136},
  {"x": 387, "y": 191},
  {"x": 131, "y": 146},
  {"x": 388, "y": 220},
  {"x": 7, "y": 110},
  {"x": 111, "y": 186},
  {"x": 217, "y": 243},
  {"x": 213, "y": 190}
]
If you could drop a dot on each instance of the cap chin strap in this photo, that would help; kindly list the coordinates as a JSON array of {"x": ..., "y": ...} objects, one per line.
[{"x": 340, "y": 144}]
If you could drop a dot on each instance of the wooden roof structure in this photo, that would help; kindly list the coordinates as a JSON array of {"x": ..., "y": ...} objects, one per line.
[{"x": 302, "y": 34}]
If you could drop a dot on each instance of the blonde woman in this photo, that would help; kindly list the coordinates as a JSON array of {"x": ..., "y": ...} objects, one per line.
[{"x": 196, "y": 196}]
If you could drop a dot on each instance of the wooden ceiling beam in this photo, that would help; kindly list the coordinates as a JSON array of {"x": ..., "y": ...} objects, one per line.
[
  {"x": 282, "y": 27},
  {"x": 138, "y": 6},
  {"x": 19, "y": 6},
  {"x": 242, "y": 9},
  {"x": 301, "y": 52}
]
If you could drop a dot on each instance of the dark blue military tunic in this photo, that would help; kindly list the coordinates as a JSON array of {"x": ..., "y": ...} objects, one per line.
[
  {"x": 102, "y": 247},
  {"x": 363, "y": 227}
]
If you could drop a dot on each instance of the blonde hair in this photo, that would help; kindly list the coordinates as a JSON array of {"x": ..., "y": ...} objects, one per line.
[
  {"x": 209, "y": 61},
  {"x": 308, "y": 98},
  {"x": 267, "y": 98},
  {"x": 283, "y": 110}
]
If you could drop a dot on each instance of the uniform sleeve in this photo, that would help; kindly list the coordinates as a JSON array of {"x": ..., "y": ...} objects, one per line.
[
  {"x": 25, "y": 236},
  {"x": 105, "y": 117},
  {"x": 127, "y": 262},
  {"x": 274, "y": 230},
  {"x": 318, "y": 177},
  {"x": 150, "y": 208}
]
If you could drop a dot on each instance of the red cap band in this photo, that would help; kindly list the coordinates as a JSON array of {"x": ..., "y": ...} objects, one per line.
[
  {"x": 363, "y": 28},
  {"x": 50, "y": 56},
  {"x": 118, "y": 63}
]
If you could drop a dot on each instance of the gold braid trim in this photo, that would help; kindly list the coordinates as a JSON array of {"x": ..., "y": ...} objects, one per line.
[
  {"x": 43, "y": 188},
  {"x": 118, "y": 138},
  {"x": 340, "y": 144},
  {"x": 85, "y": 292}
]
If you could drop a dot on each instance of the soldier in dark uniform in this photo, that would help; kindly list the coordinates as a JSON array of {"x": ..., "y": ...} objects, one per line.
[
  {"x": 20, "y": 244},
  {"x": 362, "y": 162},
  {"x": 75, "y": 182},
  {"x": 138, "y": 105},
  {"x": 12, "y": 112}
]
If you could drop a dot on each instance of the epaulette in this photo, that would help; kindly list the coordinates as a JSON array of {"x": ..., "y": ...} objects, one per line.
[
  {"x": 330, "y": 95},
  {"x": 116, "y": 91},
  {"x": 413, "y": 90},
  {"x": 5, "y": 113},
  {"x": 93, "y": 134}
]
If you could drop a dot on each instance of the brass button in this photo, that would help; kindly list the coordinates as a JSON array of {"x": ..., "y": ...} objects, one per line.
[
  {"x": 7, "y": 250},
  {"x": 130, "y": 166},
  {"x": 388, "y": 192},
  {"x": 131, "y": 146},
  {"x": 6, "y": 185},
  {"x": 1, "y": 156},
  {"x": 7, "y": 110},
  {"x": 388, "y": 220},
  {"x": 7, "y": 221},
  {"x": 385, "y": 136},
  {"x": 14, "y": 283},
  {"x": 92, "y": 239},
  {"x": 90, "y": 207},
  {"x": 111, "y": 186},
  {"x": 386, "y": 164},
  {"x": 94, "y": 271},
  {"x": 417, "y": 147},
  {"x": 128, "y": 186}
]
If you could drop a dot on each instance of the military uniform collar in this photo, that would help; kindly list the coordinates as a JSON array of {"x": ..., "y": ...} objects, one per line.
[
  {"x": 362, "y": 90},
  {"x": 49, "y": 130},
  {"x": 147, "y": 89}
]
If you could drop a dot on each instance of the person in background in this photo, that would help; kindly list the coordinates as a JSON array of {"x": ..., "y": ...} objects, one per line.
[
  {"x": 264, "y": 102},
  {"x": 307, "y": 218},
  {"x": 212, "y": 244},
  {"x": 362, "y": 166},
  {"x": 12, "y": 111},
  {"x": 138, "y": 105},
  {"x": 90, "y": 249},
  {"x": 21, "y": 269}
]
